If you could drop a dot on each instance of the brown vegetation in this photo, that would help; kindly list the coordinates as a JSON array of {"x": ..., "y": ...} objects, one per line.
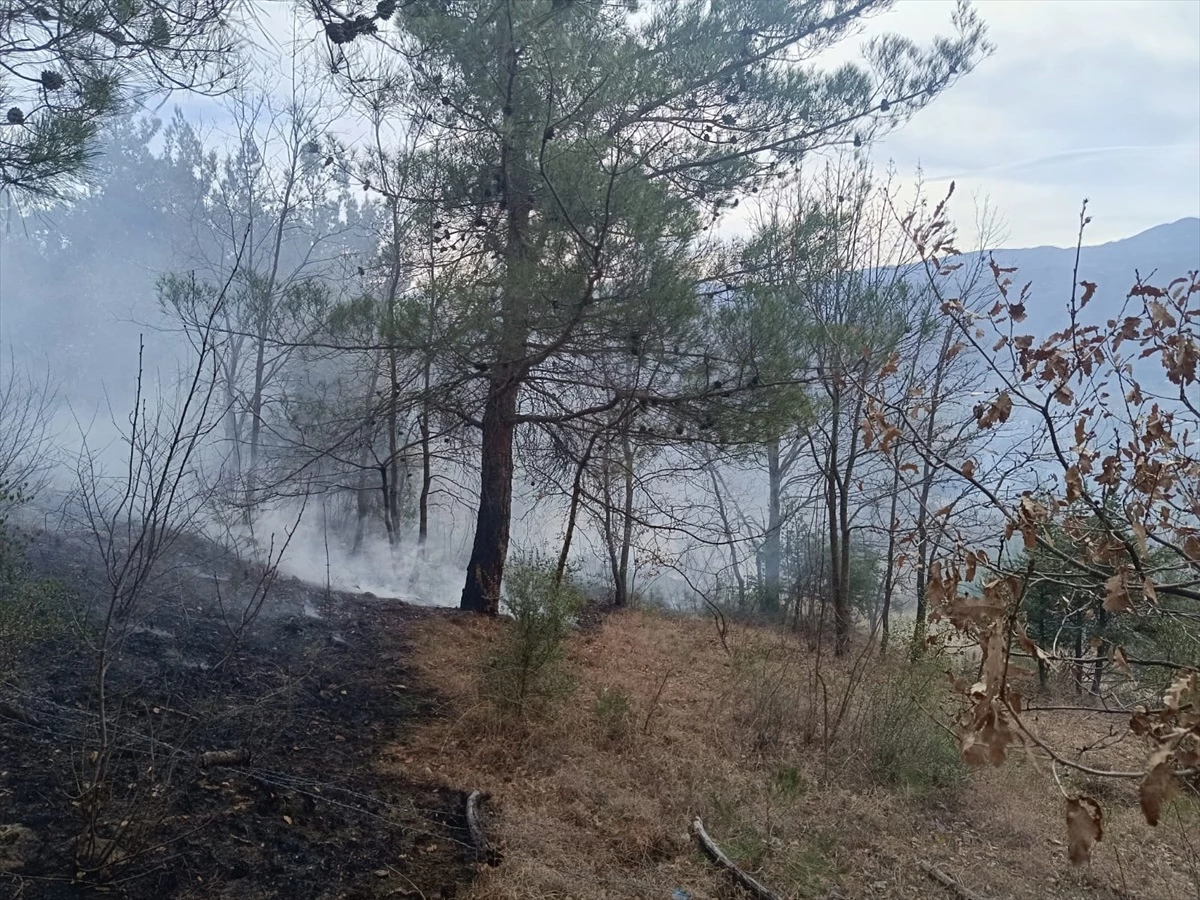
[{"x": 584, "y": 807}]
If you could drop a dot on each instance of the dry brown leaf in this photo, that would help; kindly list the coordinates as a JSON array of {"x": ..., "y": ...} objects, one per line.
[
  {"x": 1158, "y": 786},
  {"x": 993, "y": 659},
  {"x": 988, "y": 735},
  {"x": 1116, "y": 597},
  {"x": 1074, "y": 484},
  {"x": 1028, "y": 645},
  {"x": 1150, "y": 590},
  {"x": 996, "y": 412},
  {"x": 1189, "y": 758},
  {"x": 1085, "y": 827},
  {"x": 1139, "y": 722},
  {"x": 1139, "y": 531},
  {"x": 1089, "y": 289},
  {"x": 1120, "y": 661},
  {"x": 1180, "y": 685},
  {"x": 1191, "y": 547}
]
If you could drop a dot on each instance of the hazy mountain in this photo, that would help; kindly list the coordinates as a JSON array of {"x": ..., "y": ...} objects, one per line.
[{"x": 1159, "y": 255}]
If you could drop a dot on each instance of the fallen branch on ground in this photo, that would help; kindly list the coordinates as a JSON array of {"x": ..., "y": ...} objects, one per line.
[
  {"x": 713, "y": 852},
  {"x": 948, "y": 881},
  {"x": 224, "y": 758}
]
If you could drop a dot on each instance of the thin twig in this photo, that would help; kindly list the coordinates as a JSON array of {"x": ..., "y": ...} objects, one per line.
[{"x": 948, "y": 881}]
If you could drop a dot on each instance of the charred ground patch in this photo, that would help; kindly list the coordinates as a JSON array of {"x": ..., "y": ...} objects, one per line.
[{"x": 305, "y": 701}]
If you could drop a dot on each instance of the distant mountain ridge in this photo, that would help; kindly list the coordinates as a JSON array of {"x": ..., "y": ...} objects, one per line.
[{"x": 1159, "y": 254}]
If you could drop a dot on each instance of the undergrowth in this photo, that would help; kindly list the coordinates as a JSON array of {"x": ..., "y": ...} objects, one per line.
[
  {"x": 524, "y": 674},
  {"x": 904, "y": 746}
]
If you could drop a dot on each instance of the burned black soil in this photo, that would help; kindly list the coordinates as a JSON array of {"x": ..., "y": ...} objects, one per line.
[{"x": 306, "y": 701}]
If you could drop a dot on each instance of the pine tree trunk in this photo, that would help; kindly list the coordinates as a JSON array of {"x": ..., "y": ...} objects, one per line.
[
  {"x": 392, "y": 495},
  {"x": 771, "y": 540},
  {"x": 426, "y": 469},
  {"x": 486, "y": 567}
]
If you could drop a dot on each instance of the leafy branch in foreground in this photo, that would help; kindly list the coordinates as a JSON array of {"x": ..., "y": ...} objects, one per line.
[{"x": 1103, "y": 415}]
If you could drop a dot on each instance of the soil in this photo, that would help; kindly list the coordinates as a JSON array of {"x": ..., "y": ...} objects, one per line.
[{"x": 313, "y": 692}]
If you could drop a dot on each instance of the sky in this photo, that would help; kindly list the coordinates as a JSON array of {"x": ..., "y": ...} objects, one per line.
[
  {"x": 1081, "y": 98},
  {"x": 1096, "y": 99}
]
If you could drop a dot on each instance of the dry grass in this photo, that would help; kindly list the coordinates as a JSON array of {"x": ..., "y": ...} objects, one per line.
[{"x": 584, "y": 811}]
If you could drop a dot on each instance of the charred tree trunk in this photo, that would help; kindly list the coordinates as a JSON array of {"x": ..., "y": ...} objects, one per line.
[
  {"x": 392, "y": 495},
  {"x": 734, "y": 564},
  {"x": 385, "y": 490},
  {"x": 426, "y": 469},
  {"x": 835, "y": 511},
  {"x": 485, "y": 569},
  {"x": 607, "y": 522},
  {"x": 1043, "y": 669},
  {"x": 490, "y": 548},
  {"x": 835, "y": 552},
  {"x": 918, "y": 638},
  {"x": 573, "y": 513},
  {"x": 927, "y": 476}
]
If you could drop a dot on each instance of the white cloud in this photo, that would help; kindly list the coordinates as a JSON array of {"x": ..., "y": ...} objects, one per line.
[{"x": 1089, "y": 98}]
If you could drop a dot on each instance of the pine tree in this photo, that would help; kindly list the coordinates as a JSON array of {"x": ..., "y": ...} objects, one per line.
[{"x": 591, "y": 145}]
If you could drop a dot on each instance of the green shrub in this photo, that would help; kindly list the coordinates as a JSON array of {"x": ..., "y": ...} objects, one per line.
[
  {"x": 525, "y": 674},
  {"x": 788, "y": 783},
  {"x": 30, "y": 609},
  {"x": 901, "y": 745},
  {"x": 614, "y": 713}
]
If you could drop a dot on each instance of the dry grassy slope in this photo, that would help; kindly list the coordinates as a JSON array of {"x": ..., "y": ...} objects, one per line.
[{"x": 583, "y": 814}]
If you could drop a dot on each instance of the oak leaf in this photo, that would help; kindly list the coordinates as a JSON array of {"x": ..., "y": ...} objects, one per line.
[
  {"x": 1089, "y": 288},
  {"x": 1158, "y": 786},
  {"x": 1085, "y": 827},
  {"x": 1120, "y": 661},
  {"x": 1116, "y": 597}
]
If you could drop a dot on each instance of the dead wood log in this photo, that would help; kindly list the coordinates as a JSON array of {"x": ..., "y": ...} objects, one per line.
[
  {"x": 224, "y": 757},
  {"x": 948, "y": 881},
  {"x": 483, "y": 850},
  {"x": 756, "y": 888}
]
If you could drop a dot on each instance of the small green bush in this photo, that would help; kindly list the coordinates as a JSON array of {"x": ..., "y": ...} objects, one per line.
[
  {"x": 31, "y": 609},
  {"x": 789, "y": 783},
  {"x": 902, "y": 746},
  {"x": 614, "y": 713},
  {"x": 525, "y": 674}
]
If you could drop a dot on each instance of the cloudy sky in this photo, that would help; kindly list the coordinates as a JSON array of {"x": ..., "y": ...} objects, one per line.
[{"x": 1082, "y": 98}]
